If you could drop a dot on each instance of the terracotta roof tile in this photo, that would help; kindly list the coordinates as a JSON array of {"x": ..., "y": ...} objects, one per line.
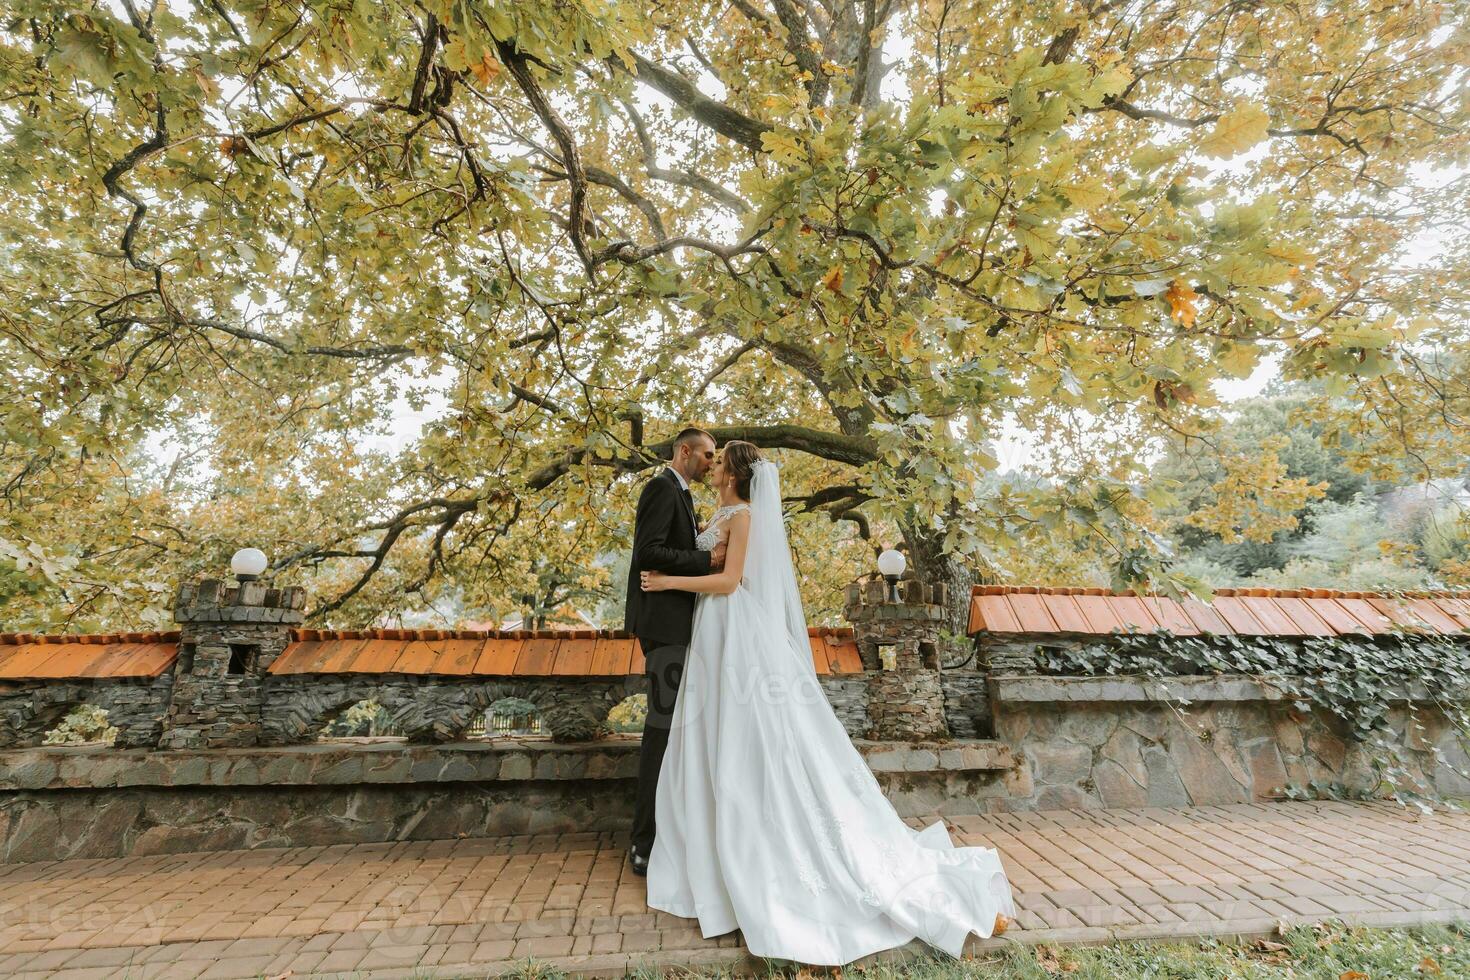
[
  {"x": 1099, "y": 612},
  {"x": 29, "y": 656},
  {"x": 574, "y": 656},
  {"x": 583, "y": 652},
  {"x": 499, "y": 656},
  {"x": 1003, "y": 609},
  {"x": 457, "y": 656},
  {"x": 1172, "y": 616},
  {"x": 613, "y": 657},
  {"x": 1134, "y": 614}
]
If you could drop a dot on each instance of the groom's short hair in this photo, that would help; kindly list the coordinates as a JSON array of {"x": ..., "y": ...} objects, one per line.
[{"x": 689, "y": 435}]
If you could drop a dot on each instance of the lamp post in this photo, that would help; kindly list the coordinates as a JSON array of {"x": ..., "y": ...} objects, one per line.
[
  {"x": 891, "y": 564},
  {"x": 248, "y": 564}
]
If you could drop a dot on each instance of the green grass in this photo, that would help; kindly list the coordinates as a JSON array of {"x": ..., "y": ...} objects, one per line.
[{"x": 1324, "y": 952}]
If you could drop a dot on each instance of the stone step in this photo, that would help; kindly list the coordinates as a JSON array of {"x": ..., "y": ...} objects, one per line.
[{"x": 954, "y": 755}]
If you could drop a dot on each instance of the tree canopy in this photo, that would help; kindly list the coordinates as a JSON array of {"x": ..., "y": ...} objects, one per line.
[{"x": 240, "y": 236}]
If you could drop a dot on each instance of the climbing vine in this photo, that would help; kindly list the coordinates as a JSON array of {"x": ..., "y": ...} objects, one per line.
[{"x": 1355, "y": 679}]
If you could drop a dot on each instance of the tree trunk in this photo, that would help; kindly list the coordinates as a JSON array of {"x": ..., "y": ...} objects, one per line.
[{"x": 932, "y": 564}]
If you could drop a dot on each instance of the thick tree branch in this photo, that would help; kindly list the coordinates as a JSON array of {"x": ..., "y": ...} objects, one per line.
[
  {"x": 723, "y": 119},
  {"x": 579, "y": 227}
]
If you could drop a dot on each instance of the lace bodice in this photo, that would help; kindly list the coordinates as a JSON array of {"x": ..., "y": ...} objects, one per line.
[{"x": 710, "y": 536}]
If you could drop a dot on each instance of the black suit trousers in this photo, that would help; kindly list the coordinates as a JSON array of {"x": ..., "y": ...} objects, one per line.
[{"x": 664, "y": 667}]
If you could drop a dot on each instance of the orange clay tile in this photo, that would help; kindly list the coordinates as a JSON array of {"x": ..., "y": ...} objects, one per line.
[
  {"x": 1429, "y": 611},
  {"x": 819, "y": 654},
  {"x": 1266, "y": 612},
  {"x": 1206, "y": 617},
  {"x": 1304, "y": 616},
  {"x": 1066, "y": 613},
  {"x": 994, "y": 609},
  {"x": 1458, "y": 608},
  {"x": 993, "y": 613},
  {"x": 838, "y": 650},
  {"x": 1253, "y": 611},
  {"x": 848, "y": 661},
  {"x": 1031, "y": 612},
  {"x": 1331, "y": 612},
  {"x": 293, "y": 657},
  {"x": 417, "y": 656},
  {"x": 1362, "y": 610},
  {"x": 341, "y": 656},
  {"x": 1397, "y": 612},
  {"x": 574, "y": 656},
  {"x": 1171, "y": 616},
  {"x": 33, "y": 659},
  {"x": 1133, "y": 613},
  {"x": 1099, "y": 613},
  {"x": 375, "y": 657},
  {"x": 1238, "y": 616},
  {"x": 498, "y": 658},
  {"x": 536, "y": 657},
  {"x": 457, "y": 656},
  {"x": 612, "y": 657}
]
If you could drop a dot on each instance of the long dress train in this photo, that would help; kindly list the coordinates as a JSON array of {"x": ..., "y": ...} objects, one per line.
[{"x": 769, "y": 820}]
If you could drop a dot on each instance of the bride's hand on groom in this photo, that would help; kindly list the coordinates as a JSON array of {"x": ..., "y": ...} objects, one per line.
[{"x": 653, "y": 581}]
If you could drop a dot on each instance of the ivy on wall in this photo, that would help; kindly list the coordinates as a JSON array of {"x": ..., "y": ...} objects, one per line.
[{"x": 1354, "y": 679}]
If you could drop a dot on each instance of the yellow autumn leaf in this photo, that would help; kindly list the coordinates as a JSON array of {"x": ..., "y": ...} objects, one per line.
[
  {"x": 782, "y": 146},
  {"x": 833, "y": 279},
  {"x": 1236, "y": 131},
  {"x": 1086, "y": 194}
]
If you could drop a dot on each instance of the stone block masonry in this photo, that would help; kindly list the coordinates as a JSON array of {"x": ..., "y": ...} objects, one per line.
[
  {"x": 64, "y": 802},
  {"x": 1090, "y": 742},
  {"x": 228, "y": 638},
  {"x": 135, "y": 706},
  {"x": 899, "y": 643}
]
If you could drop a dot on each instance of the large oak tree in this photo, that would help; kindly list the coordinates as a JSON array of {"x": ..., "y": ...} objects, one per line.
[{"x": 239, "y": 234}]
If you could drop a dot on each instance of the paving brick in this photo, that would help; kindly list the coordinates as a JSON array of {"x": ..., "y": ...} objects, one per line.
[
  {"x": 382, "y": 957},
  {"x": 542, "y": 946},
  {"x": 236, "y": 967},
  {"x": 487, "y": 903}
]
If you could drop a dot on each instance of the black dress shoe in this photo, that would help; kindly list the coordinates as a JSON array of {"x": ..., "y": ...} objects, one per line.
[{"x": 640, "y": 863}]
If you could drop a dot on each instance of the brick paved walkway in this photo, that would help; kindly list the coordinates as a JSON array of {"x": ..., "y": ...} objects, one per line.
[{"x": 445, "y": 908}]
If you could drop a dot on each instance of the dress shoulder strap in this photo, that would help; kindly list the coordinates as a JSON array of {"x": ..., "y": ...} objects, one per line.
[{"x": 729, "y": 509}]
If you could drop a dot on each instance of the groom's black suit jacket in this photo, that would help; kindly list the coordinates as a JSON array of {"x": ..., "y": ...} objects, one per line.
[{"x": 663, "y": 541}]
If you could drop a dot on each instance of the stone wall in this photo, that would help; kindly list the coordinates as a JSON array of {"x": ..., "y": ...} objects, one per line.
[
  {"x": 294, "y": 708},
  {"x": 966, "y": 703},
  {"x": 229, "y": 636},
  {"x": 30, "y": 709},
  {"x": 61, "y": 802},
  {"x": 898, "y": 643},
  {"x": 1088, "y": 742}
]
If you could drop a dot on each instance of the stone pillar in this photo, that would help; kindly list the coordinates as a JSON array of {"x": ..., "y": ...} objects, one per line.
[
  {"x": 228, "y": 637},
  {"x": 905, "y": 698}
]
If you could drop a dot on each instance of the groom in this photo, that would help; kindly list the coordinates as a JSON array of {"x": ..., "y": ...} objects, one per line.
[{"x": 663, "y": 540}]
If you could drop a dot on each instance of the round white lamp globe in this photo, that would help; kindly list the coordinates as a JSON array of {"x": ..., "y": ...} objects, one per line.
[
  {"x": 248, "y": 563},
  {"x": 891, "y": 565}
]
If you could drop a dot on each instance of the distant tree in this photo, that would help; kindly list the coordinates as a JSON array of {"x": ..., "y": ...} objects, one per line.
[{"x": 1246, "y": 495}]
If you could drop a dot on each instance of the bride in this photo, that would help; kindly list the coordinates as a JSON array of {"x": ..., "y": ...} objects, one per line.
[{"x": 768, "y": 818}]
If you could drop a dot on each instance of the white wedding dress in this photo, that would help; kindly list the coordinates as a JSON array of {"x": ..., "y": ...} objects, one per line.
[{"x": 767, "y": 817}]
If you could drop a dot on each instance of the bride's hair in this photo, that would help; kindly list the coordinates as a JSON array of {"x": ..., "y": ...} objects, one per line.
[{"x": 740, "y": 458}]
